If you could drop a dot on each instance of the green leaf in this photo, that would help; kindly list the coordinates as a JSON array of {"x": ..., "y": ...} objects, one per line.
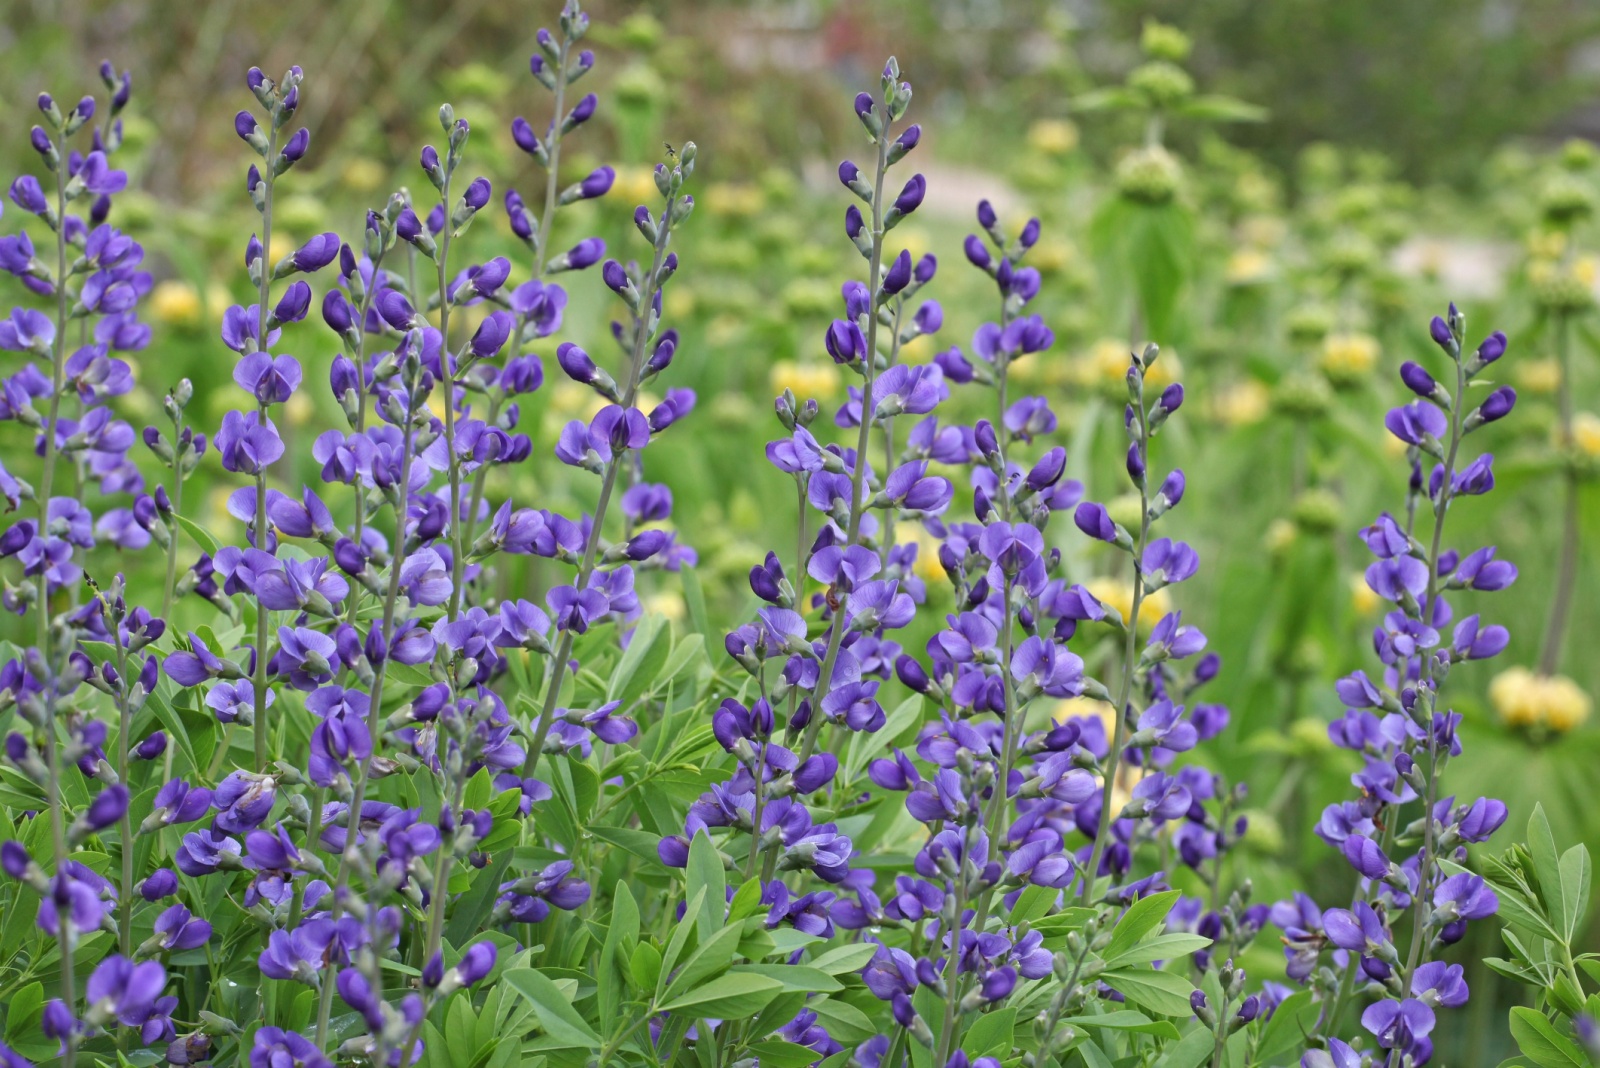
[
  {"x": 641, "y": 844},
  {"x": 554, "y": 1009},
  {"x": 842, "y": 960},
  {"x": 1126, "y": 1020},
  {"x": 640, "y": 662},
  {"x": 1144, "y": 916},
  {"x": 1286, "y": 1031},
  {"x": 1195, "y": 1049},
  {"x": 727, "y": 997},
  {"x": 991, "y": 1035},
  {"x": 202, "y": 537},
  {"x": 1161, "y": 947},
  {"x": 1541, "y": 1043},
  {"x": 695, "y": 599},
  {"x": 1547, "y": 866},
  {"x": 705, "y": 872},
  {"x": 1034, "y": 903},
  {"x": 1575, "y": 876},
  {"x": 776, "y": 1053},
  {"x": 1215, "y": 108},
  {"x": 846, "y": 1023},
  {"x": 712, "y": 958},
  {"x": 644, "y": 968},
  {"x": 1166, "y": 993},
  {"x": 792, "y": 977}
]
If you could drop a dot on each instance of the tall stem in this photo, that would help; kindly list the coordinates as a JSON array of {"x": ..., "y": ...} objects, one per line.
[
  {"x": 262, "y": 727},
  {"x": 1567, "y": 568},
  {"x": 1419, "y": 915},
  {"x": 1129, "y": 653},
  {"x": 458, "y": 563},
  {"x": 58, "y": 837},
  {"x": 58, "y": 376},
  {"x": 173, "y": 535},
  {"x": 374, "y": 717},
  {"x": 858, "y": 477},
  {"x": 541, "y": 239},
  {"x": 641, "y": 337}
]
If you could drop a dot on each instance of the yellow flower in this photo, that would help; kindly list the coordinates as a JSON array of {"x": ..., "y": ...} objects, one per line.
[
  {"x": 1105, "y": 367},
  {"x": 668, "y": 603},
  {"x": 1053, "y": 137},
  {"x": 362, "y": 175},
  {"x": 1586, "y": 270},
  {"x": 1362, "y": 600},
  {"x": 1247, "y": 267},
  {"x": 1279, "y": 536},
  {"x": 298, "y": 409},
  {"x": 1586, "y": 433},
  {"x": 735, "y": 200},
  {"x": 1088, "y": 707},
  {"x": 808, "y": 380},
  {"x": 635, "y": 185},
  {"x": 574, "y": 401},
  {"x": 1552, "y": 702},
  {"x": 176, "y": 302},
  {"x": 1241, "y": 403},
  {"x": 1050, "y": 256},
  {"x": 1118, "y": 593},
  {"x": 926, "y": 566},
  {"x": 1547, "y": 244},
  {"x": 1538, "y": 376},
  {"x": 1348, "y": 357},
  {"x": 915, "y": 241}
]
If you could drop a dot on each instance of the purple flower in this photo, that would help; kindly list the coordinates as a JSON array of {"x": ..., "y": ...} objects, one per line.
[
  {"x": 176, "y": 929},
  {"x": 1398, "y": 1024},
  {"x": 1416, "y": 422},
  {"x": 277, "y": 1048},
  {"x": 122, "y": 990}
]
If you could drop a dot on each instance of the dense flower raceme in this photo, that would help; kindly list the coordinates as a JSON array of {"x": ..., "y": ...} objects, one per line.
[
  {"x": 1410, "y": 875},
  {"x": 306, "y": 802}
]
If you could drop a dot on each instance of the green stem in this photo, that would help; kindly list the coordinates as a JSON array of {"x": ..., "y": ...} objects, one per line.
[
  {"x": 586, "y": 567},
  {"x": 1129, "y": 654},
  {"x": 863, "y": 438},
  {"x": 262, "y": 726},
  {"x": 1419, "y": 914},
  {"x": 374, "y": 719}
]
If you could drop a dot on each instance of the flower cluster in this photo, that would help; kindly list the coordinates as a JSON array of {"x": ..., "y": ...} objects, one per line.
[
  {"x": 358, "y": 786},
  {"x": 1406, "y": 737}
]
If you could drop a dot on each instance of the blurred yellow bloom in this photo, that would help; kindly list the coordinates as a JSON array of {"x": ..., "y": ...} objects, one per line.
[
  {"x": 1241, "y": 404},
  {"x": 734, "y": 200},
  {"x": 1053, "y": 137},
  {"x": 1547, "y": 244},
  {"x": 1118, "y": 593},
  {"x": 1050, "y": 256},
  {"x": 176, "y": 302},
  {"x": 635, "y": 185},
  {"x": 1247, "y": 267},
  {"x": 1279, "y": 536},
  {"x": 1585, "y": 269},
  {"x": 667, "y": 603},
  {"x": 1087, "y": 707},
  {"x": 927, "y": 566},
  {"x": 573, "y": 401},
  {"x": 1348, "y": 357},
  {"x": 914, "y": 241},
  {"x": 1586, "y": 433},
  {"x": 362, "y": 175},
  {"x": 1538, "y": 376},
  {"x": 299, "y": 408},
  {"x": 1552, "y": 702},
  {"x": 808, "y": 380},
  {"x": 1362, "y": 600}
]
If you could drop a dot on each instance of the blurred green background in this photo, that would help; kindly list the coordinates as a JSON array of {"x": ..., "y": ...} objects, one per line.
[{"x": 1410, "y": 153}]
